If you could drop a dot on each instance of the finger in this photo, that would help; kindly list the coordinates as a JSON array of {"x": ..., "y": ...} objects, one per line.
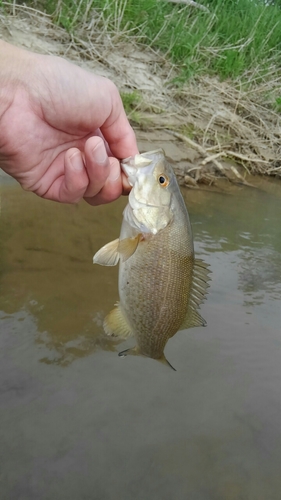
[
  {"x": 112, "y": 188},
  {"x": 116, "y": 128},
  {"x": 70, "y": 187},
  {"x": 97, "y": 165},
  {"x": 98, "y": 133},
  {"x": 126, "y": 186}
]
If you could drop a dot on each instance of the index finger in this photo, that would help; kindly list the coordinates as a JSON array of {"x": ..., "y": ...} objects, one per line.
[{"x": 117, "y": 130}]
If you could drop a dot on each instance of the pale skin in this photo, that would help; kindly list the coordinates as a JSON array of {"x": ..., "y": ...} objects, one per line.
[{"x": 63, "y": 129}]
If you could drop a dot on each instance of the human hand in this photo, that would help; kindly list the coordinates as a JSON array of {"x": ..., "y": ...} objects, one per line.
[{"x": 62, "y": 129}]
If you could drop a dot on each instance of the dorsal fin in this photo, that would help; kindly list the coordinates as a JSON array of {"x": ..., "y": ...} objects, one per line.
[{"x": 197, "y": 295}]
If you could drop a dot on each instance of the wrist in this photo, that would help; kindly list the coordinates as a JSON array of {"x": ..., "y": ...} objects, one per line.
[{"x": 14, "y": 71}]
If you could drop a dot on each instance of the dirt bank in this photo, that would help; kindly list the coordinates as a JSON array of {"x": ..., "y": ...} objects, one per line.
[{"x": 208, "y": 128}]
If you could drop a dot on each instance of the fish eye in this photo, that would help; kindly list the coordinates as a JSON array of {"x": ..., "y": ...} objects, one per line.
[{"x": 163, "y": 180}]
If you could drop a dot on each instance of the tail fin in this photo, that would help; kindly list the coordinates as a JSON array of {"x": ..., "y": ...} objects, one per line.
[
  {"x": 164, "y": 361},
  {"x": 135, "y": 351}
]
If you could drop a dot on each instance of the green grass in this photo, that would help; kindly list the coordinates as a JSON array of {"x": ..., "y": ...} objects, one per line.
[
  {"x": 234, "y": 38},
  {"x": 132, "y": 102},
  {"x": 278, "y": 104}
]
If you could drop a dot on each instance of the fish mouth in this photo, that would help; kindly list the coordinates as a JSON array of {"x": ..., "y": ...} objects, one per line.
[{"x": 143, "y": 161}]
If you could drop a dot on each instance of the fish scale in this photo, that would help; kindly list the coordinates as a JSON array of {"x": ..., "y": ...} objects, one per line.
[
  {"x": 162, "y": 293},
  {"x": 161, "y": 284}
]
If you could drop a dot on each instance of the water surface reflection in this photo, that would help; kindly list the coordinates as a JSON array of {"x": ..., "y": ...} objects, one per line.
[{"x": 77, "y": 422}]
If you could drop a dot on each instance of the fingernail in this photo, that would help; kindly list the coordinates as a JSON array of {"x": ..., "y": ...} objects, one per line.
[
  {"x": 76, "y": 161},
  {"x": 99, "y": 155},
  {"x": 115, "y": 171}
]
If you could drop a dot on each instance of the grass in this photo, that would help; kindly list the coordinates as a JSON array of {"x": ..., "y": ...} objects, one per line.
[
  {"x": 234, "y": 39},
  {"x": 278, "y": 104},
  {"x": 230, "y": 56},
  {"x": 132, "y": 102}
]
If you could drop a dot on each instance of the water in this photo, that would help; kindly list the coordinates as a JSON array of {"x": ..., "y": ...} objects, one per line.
[{"x": 77, "y": 422}]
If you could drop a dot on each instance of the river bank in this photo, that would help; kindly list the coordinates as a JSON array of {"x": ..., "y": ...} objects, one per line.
[{"x": 207, "y": 127}]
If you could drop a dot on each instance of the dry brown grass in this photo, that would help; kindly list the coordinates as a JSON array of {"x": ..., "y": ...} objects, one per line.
[
  {"x": 221, "y": 120},
  {"x": 231, "y": 122}
]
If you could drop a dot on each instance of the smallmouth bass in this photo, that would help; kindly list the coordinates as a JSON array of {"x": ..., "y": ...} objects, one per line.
[{"x": 161, "y": 284}]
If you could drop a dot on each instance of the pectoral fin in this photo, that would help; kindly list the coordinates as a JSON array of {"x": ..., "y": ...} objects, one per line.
[
  {"x": 108, "y": 255},
  {"x": 128, "y": 246},
  {"x": 115, "y": 324},
  {"x": 197, "y": 295}
]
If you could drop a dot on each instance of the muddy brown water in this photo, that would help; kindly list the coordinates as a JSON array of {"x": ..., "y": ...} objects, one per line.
[{"x": 77, "y": 422}]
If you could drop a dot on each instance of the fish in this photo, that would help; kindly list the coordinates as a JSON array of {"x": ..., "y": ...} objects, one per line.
[{"x": 161, "y": 283}]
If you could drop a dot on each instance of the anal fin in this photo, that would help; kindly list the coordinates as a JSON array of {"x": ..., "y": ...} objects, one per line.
[{"x": 115, "y": 324}]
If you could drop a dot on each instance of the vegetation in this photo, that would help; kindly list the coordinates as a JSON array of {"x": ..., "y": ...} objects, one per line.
[
  {"x": 233, "y": 38},
  {"x": 212, "y": 79}
]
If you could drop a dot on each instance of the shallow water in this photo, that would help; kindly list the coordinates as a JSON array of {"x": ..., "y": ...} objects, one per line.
[{"x": 77, "y": 422}]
